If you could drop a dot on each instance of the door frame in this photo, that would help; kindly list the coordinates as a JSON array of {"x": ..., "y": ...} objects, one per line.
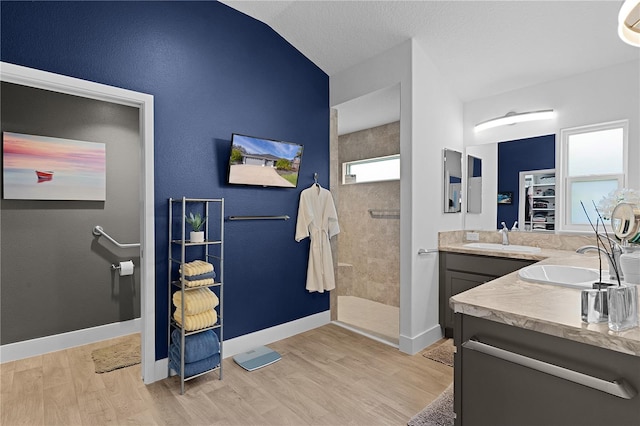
[{"x": 31, "y": 77}]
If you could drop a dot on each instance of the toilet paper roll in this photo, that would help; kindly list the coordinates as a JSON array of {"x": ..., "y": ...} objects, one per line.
[{"x": 126, "y": 268}]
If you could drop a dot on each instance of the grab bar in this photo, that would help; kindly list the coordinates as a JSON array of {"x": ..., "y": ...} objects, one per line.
[
  {"x": 376, "y": 213},
  {"x": 283, "y": 217},
  {"x": 97, "y": 231},
  {"x": 427, "y": 251},
  {"x": 618, "y": 387}
]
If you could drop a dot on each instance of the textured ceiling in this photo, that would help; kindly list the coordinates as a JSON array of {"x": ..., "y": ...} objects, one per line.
[{"x": 481, "y": 47}]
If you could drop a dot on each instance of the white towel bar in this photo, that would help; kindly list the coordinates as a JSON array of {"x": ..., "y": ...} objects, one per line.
[{"x": 283, "y": 217}]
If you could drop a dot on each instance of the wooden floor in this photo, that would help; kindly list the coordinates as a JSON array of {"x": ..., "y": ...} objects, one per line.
[{"x": 327, "y": 376}]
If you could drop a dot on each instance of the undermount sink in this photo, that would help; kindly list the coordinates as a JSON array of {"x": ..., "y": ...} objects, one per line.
[
  {"x": 568, "y": 276},
  {"x": 501, "y": 247}
]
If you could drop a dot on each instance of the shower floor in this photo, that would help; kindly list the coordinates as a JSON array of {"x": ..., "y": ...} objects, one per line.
[{"x": 377, "y": 319}]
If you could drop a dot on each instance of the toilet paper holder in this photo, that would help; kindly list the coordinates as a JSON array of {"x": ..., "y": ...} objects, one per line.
[{"x": 123, "y": 268}]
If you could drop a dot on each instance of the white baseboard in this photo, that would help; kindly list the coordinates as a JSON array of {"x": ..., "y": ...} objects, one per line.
[
  {"x": 58, "y": 342},
  {"x": 413, "y": 345},
  {"x": 250, "y": 341},
  {"x": 364, "y": 333},
  {"x": 273, "y": 334},
  {"x": 160, "y": 371}
]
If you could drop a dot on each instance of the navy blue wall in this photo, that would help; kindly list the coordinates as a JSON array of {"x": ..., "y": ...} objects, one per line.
[
  {"x": 212, "y": 71},
  {"x": 517, "y": 156}
]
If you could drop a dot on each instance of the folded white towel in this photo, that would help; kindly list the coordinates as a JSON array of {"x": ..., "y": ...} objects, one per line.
[
  {"x": 198, "y": 321},
  {"x": 196, "y": 301}
]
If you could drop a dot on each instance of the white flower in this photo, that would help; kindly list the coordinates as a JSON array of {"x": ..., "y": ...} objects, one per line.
[{"x": 622, "y": 195}]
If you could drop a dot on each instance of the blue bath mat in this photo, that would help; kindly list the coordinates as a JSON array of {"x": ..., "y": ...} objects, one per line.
[{"x": 256, "y": 358}]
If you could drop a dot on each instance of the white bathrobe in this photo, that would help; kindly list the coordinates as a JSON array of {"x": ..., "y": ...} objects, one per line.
[{"x": 318, "y": 220}]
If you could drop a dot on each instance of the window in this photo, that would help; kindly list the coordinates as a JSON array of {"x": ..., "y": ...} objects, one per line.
[
  {"x": 371, "y": 170},
  {"x": 593, "y": 165}
]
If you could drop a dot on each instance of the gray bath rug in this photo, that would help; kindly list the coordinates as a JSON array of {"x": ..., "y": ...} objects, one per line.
[
  {"x": 438, "y": 413},
  {"x": 442, "y": 353}
]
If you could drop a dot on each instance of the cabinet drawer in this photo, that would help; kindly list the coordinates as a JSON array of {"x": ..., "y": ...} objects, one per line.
[{"x": 494, "y": 391}]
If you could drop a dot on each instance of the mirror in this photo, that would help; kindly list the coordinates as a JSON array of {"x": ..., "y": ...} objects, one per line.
[
  {"x": 474, "y": 184},
  {"x": 452, "y": 164},
  {"x": 499, "y": 168},
  {"x": 625, "y": 221}
]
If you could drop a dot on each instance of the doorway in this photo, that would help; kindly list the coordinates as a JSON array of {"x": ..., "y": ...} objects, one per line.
[
  {"x": 29, "y": 77},
  {"x": 367, "y": 193}
]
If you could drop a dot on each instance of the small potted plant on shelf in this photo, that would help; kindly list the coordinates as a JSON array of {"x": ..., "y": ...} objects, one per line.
[{"x": 197, "y": 222}]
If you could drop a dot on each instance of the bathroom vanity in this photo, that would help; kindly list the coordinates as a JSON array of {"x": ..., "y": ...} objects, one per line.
[
  {"x": 461, "y": 272},
  {"x": 525, "y": 357},
  {"x": 508, "y": 375}
]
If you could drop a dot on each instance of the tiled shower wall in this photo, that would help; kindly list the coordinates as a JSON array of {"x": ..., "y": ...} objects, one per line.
[{"x": 369, "y": 248}]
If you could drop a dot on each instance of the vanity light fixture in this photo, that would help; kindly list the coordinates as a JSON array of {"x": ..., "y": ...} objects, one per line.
[
  {"x": 629, "y": 22},
  {"x": 515, "y": 117}
]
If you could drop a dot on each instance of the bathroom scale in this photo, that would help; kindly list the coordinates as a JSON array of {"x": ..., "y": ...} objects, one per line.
[{"x": 257, "y": 358}]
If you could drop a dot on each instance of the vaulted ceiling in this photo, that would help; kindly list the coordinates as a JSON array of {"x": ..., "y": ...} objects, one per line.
[{"x": 482, "y": 48}]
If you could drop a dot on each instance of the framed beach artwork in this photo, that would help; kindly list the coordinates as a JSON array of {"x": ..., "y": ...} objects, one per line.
[
  {"x": 46, "y": 168},
  {"x": 505, "y": 197}
]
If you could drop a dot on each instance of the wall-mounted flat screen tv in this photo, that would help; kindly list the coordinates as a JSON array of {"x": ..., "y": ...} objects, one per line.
[{"x": 264, "y": 162}]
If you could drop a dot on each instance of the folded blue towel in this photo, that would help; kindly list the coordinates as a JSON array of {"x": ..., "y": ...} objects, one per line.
[
  {"x": 206, "y": 275},
  {"x": 197, "y": 346},
  {"x": 191, "y": 368}
]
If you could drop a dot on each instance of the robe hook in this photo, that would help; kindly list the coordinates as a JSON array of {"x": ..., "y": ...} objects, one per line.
[{"x": 315, "y": 178}]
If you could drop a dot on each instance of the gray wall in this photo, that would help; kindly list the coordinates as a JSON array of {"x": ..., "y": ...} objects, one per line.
[
  {"x": 55, "y": 275},
  {"x": 369, "y": 248}
]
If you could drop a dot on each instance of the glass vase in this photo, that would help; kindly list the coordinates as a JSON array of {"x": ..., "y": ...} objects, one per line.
[
  {"x": 595, "y": 307},
  {"x": 623, "y": 307}
]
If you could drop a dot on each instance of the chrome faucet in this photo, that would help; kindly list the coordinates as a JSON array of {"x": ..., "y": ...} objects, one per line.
[
  {"x": 613, "y": 258},
  {"x": 505, "y": 234}
]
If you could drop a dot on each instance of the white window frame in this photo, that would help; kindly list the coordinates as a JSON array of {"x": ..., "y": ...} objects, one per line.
[
  {"x": 563, "y": 189},
  {"x": 346, "y": 166}
]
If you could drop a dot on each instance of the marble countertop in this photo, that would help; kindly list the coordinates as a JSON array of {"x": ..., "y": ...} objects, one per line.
[{"x": 544, "y": 308}]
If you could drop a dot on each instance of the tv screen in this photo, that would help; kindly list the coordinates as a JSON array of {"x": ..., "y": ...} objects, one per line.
[{"x": 263, "y": 162}]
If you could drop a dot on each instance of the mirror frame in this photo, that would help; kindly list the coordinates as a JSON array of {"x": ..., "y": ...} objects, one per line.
[{"x": 625, "y": 221}]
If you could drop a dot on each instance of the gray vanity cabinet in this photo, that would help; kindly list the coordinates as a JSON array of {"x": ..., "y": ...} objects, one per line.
[
  {"x": 503, "y": 378},
  {"x": 460, "y": 272}
]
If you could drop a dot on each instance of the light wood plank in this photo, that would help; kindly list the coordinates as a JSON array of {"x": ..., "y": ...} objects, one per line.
[
  {"x": 96, "y": 408},
  {"x": 84, "y": 377},
  {"x": 6, "y": 380},
  {"x": 28, "y": 363},
  {"x": 56, "y": 370},
  {"x": 25, "y": 404},
  {"x": 326, "y": 376},
  {"x": 60, "y": 405}
]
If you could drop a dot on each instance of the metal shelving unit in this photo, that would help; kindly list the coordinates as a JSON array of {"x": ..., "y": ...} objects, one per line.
[{"x": 181, "y": 251}]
